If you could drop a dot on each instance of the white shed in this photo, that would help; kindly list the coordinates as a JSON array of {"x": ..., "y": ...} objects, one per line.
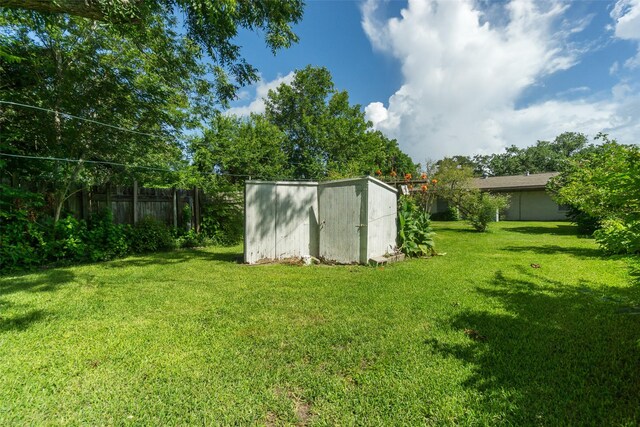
[
  {"x": 280, "y": 220},
  {"x": 357, "y": 219},
  {"x": 345, "y": 221}
]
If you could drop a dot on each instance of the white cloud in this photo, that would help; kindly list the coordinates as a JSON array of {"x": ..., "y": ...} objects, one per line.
[
  {"x": 463, "y": 75},
  {"x": 626, "y": 14},
  {"x": 262, "y": 89}
]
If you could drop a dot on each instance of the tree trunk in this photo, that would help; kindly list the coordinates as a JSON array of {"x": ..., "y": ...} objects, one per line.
[{"x": 126, "y": 11}]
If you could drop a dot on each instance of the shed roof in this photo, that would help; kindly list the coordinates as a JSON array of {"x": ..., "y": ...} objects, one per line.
[{"x": 515, "y": 182}]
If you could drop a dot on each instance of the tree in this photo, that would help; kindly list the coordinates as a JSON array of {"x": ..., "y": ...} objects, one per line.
[
  {"x": 604, "y": 182},
  {"x": 87, "y": 69},
  {"x": 211, "y": 25},
  {"x": 326, "y": 136},
  {"x": 232, "y": 150},
  {"x": 455, "y": 186},
  {"x": 544, "y": 156}
]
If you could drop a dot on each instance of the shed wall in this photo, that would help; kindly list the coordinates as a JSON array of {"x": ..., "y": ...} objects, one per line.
[
  {"x": 296, "y": 220},
  {"x": 342, "y": 211},
  {"x": 260, "y": 222},
  {"x": 382, "y": 220}
]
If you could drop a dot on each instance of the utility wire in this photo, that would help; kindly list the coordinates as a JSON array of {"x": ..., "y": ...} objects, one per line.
[
  {"x": 48, "y": 110},
  {"x": 102, "y": 162}
]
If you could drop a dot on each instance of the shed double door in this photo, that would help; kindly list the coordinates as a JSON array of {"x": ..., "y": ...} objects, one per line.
[{"x": 343, "y": 222}]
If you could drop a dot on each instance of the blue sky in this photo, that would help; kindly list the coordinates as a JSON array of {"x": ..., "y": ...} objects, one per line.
[{"x": 464, "y": 77}]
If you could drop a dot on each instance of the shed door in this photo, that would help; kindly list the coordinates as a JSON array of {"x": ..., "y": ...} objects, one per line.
[{"x": 342, "y": 220}]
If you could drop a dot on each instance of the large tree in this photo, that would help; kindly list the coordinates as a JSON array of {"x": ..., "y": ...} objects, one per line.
[
  {"x": 604, "y": 183},
  {"x": 326, "y": 136},
  {"x": 210, "y": 24},
  {"x": 154, "y": 86},
  {"x": 543, "y": 156}
]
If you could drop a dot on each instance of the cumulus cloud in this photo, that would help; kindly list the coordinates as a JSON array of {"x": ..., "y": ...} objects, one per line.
[
  {"x": 262, "y": 89},
  {"x": 464, "y": 71},
  {"x": 626, "y": 14}
]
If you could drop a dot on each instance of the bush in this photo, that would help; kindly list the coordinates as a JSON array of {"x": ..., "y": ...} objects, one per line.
[
  {"x": 223, "y": 222},
  {"x": 585, "y": 223},
  {"x": 191, "y": 239},
  {"x": 106, "y": 240},
  {"x": 451, "y": 214},
  {"x": 68, "y": 241},
  {"x": 150, "y": 235},
  {"x": 480, "y": 208},
  {"x": 415, "y": 236},
  {"x": 619, "y": 237}
]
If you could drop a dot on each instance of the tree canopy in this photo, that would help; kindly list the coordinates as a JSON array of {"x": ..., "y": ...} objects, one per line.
[
  {"x": 211, "y": 25},
  {"x": 543, "y": 156}
]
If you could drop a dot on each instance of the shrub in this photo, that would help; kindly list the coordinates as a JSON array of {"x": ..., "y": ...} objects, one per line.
[
  {"x": 451, "y": 214},
  {"x": 191, "y": 239},
  {"x": 619, "y": 237},
  {"x": 415, "y": 236},
  {"x": 480, "y": 208},
  {"x": 68, "y": 241},
  {"x": 586, "y": 224},
  {"x": 150, "y": 235},
  {"x": 105, "y": 239},
  {"x": 223, "y": 222}
]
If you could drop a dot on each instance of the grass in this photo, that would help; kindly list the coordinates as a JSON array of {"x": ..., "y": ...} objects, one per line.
[{"x": 477, "y": 336}]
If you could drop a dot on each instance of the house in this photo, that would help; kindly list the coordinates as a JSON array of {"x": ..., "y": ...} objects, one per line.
[{"x": 529, "y": 200}]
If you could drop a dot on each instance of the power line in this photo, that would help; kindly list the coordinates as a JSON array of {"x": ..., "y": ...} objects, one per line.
[
  {"x": 48, "y": 110},
  {"x": 103, "y": 162}
]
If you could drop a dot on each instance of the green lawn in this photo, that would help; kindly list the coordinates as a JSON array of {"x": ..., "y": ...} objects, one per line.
[{"x": 477, "y": 336}]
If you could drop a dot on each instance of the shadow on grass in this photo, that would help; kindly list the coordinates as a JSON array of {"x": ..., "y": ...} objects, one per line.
[
  {"x": 555, "y": 249},
  {"x": 558, "y": 230},
  {"x": 177, "y": 257},
  {"x": 41, "y": 281},
  {"x": 557, "y": 355},
  {"x": 22, "y": 321}
]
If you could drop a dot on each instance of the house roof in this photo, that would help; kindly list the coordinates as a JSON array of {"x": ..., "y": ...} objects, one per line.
[{"x": 514, "y": 182}]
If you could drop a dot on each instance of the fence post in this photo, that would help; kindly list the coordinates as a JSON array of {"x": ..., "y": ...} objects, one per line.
[
  {"x": 85, "y": 203},
  {"x": 196, "y": 209},
  {"x": 135, "y": 201},
  {"x": 175, "y": 208},
  {"x": 108, "y": 198}
]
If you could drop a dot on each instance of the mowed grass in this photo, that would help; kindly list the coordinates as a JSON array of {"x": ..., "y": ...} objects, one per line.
[{"x": 478, "y": 336}]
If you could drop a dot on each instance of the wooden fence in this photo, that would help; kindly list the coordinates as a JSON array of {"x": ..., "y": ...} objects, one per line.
[{"x": 130, "y": 204}]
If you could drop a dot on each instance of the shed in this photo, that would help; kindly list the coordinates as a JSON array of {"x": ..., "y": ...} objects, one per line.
[
  {"x": 344, "y": 221},
  {"x": 280, "y": 220},
  {"x": 357, "y": 219}
]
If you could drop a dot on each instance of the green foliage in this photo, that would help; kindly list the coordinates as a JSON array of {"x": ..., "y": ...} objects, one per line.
[
  {"x": 586, "y": 224},
  {"x": 191, "y": 239},
  {"x": 480, "y": 208},
  {"x": 604, "y": 183},
  {"x": 223, "y": 222},
  {"x": 212, "y": 27},
  {"x": 619, "y": 237},
  {"x": 151, "y": 235},
  {"x": 105, "y": 239},
  {"x": 451, "y": 214},
  {"x": 69, "y": 240},
  {"x": 415, "y": 236},
  {"x": 544, "y": 156},
  {"x": 325, "y": 135},
  {"x": 455, "y": 186}
]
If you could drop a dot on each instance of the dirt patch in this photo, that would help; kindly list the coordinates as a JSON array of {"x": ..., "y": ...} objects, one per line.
[{"x": 301, "y": 408}]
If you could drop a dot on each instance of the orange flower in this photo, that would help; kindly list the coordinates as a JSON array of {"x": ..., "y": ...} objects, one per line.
[
  {"x": 407, "y": 176},
  {"x": 378, "y": 172},
  {"x": 423, "y": 176},
  {"x": 434, "y": 181},
  {"x": 424, "y": 188},
  {"x": 393, "y": 174}
]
